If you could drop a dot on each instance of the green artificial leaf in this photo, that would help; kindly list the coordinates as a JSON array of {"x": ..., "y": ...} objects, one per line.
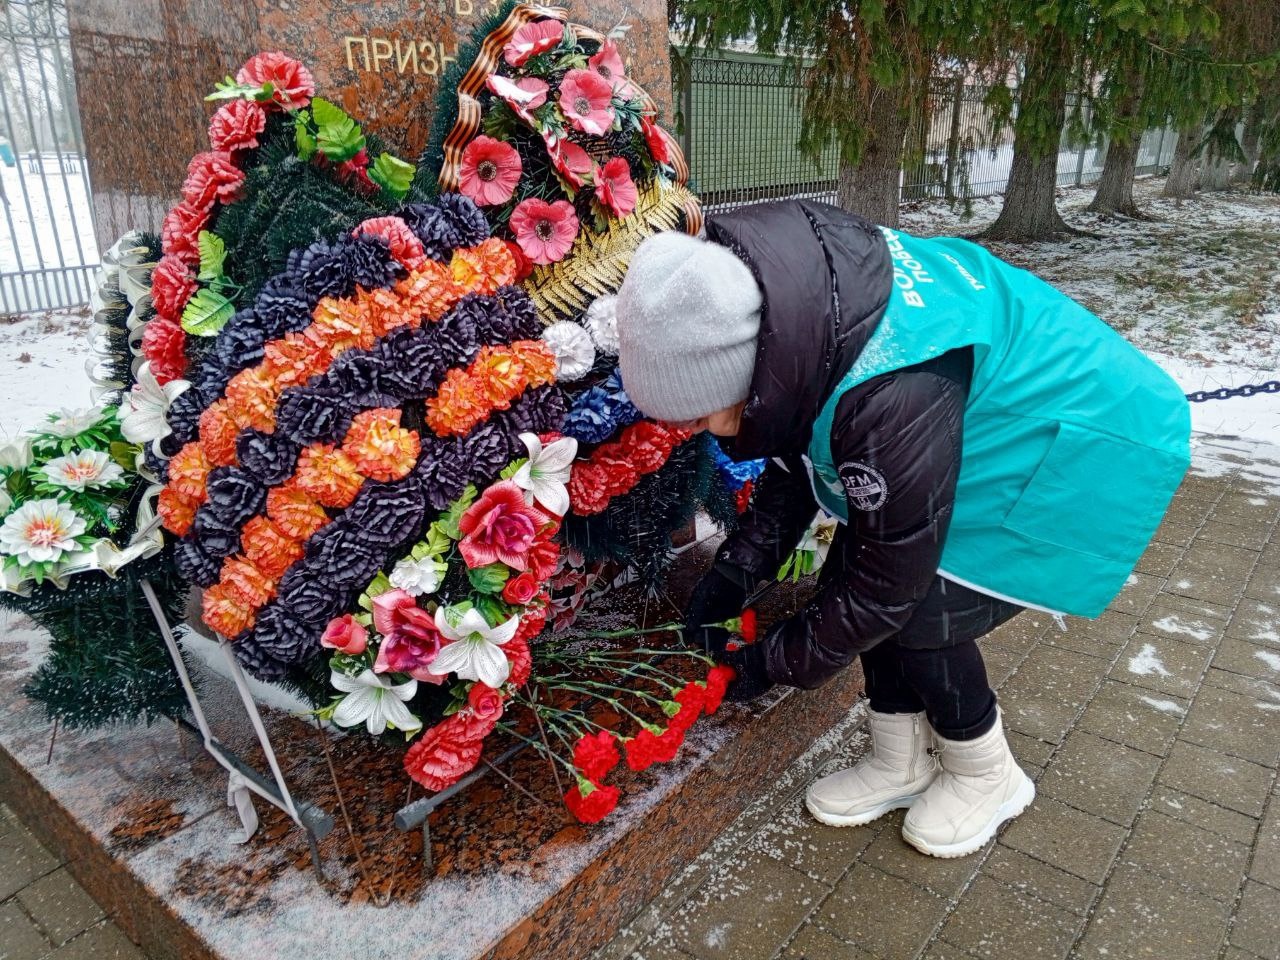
[
  {"x": 125, "y": 454},
  {"x": 213, "y": 253},
  {"x": 449, "y": 519},
  {"x": 512, "y": 468},
  {"x": 392, "y": 174},
  {"x": 228, "y": 89},
  {"x": 303, "y": 137},
  {"x": 326, "y": 112},
  {"x": 493, "y": 609},
  {"x": 338, "y": 136},
  {"x": 436, "y": 544},
  {"x": 206, "y": 313},
  {"x": 489, "y": 579}
]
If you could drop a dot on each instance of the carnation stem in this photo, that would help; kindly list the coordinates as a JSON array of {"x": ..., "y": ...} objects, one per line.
[{"x": 538, "y": 745}]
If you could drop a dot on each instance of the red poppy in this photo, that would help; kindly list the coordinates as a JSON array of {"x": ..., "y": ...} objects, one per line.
[
  {"x": 595, "y": 754},
  {"x": 655, "y": 139},
  {"x": 531, "y": 40},
  {"x": 586, "y": 99},
  {"x": 615, "y": 189},
  {"x": 591, "y": 802},
  {"x": 572, "y": 163},
  {"x": 490, "y": 171},
  {"x": 545, "y": 231},
  {"x": 523, "y": 96}
]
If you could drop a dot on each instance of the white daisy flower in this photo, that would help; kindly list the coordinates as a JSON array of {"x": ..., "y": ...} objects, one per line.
[
  {"x": 572, "y": 347},
  {"x": 40, "y": 531},
  {"x": 419, "y": 577},
  {"x": 545, "y": 475},
  {"x": 70, "y": 423},
  {"x": 82, "y": 469},
  {"x": 375, "y": 701},
  {"x": 602, "y": 324},
  {"x": 475, "y": 652}
]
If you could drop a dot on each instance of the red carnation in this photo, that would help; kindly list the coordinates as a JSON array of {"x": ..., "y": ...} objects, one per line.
[
  {"x": 531, "y": 624},
  {"x": 718, "y": 680},
  {"x": 212, "y": 176},
  {"x": 595, "y": 754},
  {"x": 620, "y": 476},
  {"x": 590, "y": 802},
  {"x": 354, "y": 172},
  {"x": 405, "y": 245},
  {"x": 441, "y": 757},
  {"x": 587, "y": 489},
  {"x": 163, "y": 344},
  {"x": 642, "y": 750},
  {"x": 182, "y": 225},
  {"x": 749, "y": 626},
  {"x": 236, "y": 126},
  {"x": 544, "y": 556},
  {"x": 521, "y": 660},
  {"x": 742, "y": 499},
  {"x": 668, "y": 743},
  {"x": 690, "y": 697},
  {"x": 171, "y": 286},
  {"x": 292, "y": 85}
]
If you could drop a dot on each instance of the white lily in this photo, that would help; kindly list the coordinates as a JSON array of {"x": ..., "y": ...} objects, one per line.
[
  {"x": 575, "y": 353},
  {"x": 818, "y": 539},
  {"x": 475, "y": 652},
  {"x": 545, "y": 475},
  {"x": 419, "y": 577},
  {"x": 16, "y": 455},
  {"x": 375, "y": 701},
  {"x": 69, "y": 423},
  {"x": 143, "y": 411}
]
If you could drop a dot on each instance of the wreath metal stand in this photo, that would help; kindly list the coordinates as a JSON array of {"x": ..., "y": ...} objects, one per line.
[{"x": 243, "y": 780}]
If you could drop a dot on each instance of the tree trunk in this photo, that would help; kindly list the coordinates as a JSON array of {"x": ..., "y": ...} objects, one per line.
[
  {"x": 1115, "y": 188},
  {"x": 871, "y": 188},
  {"x": 1250, "y": 143},
  {"x": 1030, "y": 210},
  {"x": 1183, "y": 171}
]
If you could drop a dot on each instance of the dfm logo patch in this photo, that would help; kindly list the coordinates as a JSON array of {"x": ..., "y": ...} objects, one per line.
[{"x": 864, "y": 486}]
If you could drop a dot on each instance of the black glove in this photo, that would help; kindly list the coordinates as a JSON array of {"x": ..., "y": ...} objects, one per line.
[
  {"x": 719, "y": 596},
  {"x": 752, "y": 678}
]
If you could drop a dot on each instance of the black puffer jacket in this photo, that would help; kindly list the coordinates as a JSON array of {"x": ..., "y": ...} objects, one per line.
[{"x": 826, "y": 277}]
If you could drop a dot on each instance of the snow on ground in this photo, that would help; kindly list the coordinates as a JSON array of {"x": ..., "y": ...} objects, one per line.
[{"x": 42, "y": 367}]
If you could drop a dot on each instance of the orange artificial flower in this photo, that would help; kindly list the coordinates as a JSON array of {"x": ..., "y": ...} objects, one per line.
[
  {"x": 251, "y": 401},
  {"x": 328, "y": 475},
  {"x": 189, "y": 472},
  {"x": 268, "y": 547},
  {"x": 538, "y": 360},
  {"x": 386, "y": 311},
  {"x": 294, "y": 511},
  {"x": 380, "y": 447},
  {"x": 223, "y": 609},
  {"x": 499, "y": 374},
  {"x": 218, "y": 434},
  {"x": 175, "y": 511},
  {"x": 248, "y": 582},
  {"x": 430, "y": 291},
  {"x": 293, "y": 360},
  {"x": 457, "y": 406},
  {"x": 484, "y": 268},
  {"x": 338, "y": 326}
]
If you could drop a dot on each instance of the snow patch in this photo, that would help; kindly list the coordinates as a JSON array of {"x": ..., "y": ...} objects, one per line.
[
  {"x": 1164, "y": 706},
  {"x": 1172, "y": 624},
  {"x": 1272, "y": 660},
  {"x": 1147, "y": 662}
]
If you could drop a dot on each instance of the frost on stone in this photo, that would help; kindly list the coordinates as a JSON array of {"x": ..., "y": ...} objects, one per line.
[{"x": 1146, "y": 662}]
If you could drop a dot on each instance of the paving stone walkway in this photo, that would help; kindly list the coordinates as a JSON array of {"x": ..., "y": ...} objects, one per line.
[{"x": 1153, "y": 735}]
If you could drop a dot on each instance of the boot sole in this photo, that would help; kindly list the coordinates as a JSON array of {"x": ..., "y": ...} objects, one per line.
[
  {"x": 1011, "y": 808},
  {"x": 858, "y": 819}
]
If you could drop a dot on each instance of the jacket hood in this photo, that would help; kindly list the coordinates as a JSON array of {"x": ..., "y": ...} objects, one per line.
[{"x": 825, "y": 276}]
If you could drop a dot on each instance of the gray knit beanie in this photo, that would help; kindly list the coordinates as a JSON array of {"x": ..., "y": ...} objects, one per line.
[{"x": 688, "y": 315}]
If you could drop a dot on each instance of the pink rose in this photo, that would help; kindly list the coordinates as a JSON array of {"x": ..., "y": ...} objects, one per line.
[
  {"x": 500, "y": 528},
  {"x": 485, "y": 702},
  {"x": 236, "y": 126},
  {"x": 346, "y": 635},
  {"x": 410, "y": 640}
]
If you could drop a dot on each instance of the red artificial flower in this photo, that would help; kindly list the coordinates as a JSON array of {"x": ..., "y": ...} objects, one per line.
[
  {"x": 523, "y": 96},
  {"x": 443, "y": 755},
  {"x": 607, "y": 62},
  {"x": 500, "y": 528},
  {"x": 655, "y": 138},
  {"x": 405, "y": 245},
  {"x": 595, "y": 754},
  {"x": 668, "y": 743},
  {"x": 236, "y": 125},
  {"x": 346, "y": 635},
  {"x": 587, "y": 489},
  {"x": 690, "y": 697},
  {"x": 531, "y": 40},
  {"x": 490, "y": 171},
  {"x": 544, "y": 231},
  {"x": 172, "y": 285},
  {"x": 641, "y": 750},
  {"x": 531, "y": 624},
  {"x": 521, "y": 660},
  {"x": 586, "y": 99},
  {"x": 718, "y": 680},
  {"x": 354, "y": 172},
  {"x": 614, "y": 187},
  {"x": 519, "y": 591},
  {"x": 485, "y": 702},
  {"x": 524, "y": 266},
  {"x": 591, "y": 802},
  {"x": 410, "y": 640},
  {"x": 574, "y": 164},
  {"x": 212, "y": 176},
  {"x": 742, "y": 499},
  {"x": 182, "y": 225},
  {"x": 544, "y": 556},
  {"x": 620, "y": 476},
  {"x": 292, "y": 85},
  {"x": 163, "y": 344}
]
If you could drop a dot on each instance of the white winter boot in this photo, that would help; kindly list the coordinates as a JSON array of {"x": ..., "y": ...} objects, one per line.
[
  {"x": 897, "y": 770},
  {"x": 980, "y": 787}
]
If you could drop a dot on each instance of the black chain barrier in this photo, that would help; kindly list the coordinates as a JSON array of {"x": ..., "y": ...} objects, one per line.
[{"x": 1226, "y": 393}]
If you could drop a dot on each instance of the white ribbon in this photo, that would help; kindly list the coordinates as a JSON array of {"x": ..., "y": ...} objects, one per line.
[
  {"x": 126, "y": 269},
  {"x": 240, "y": 797}
]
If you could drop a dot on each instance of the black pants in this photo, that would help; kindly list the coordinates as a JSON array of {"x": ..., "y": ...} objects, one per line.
[{"x": 933, "y": 663}]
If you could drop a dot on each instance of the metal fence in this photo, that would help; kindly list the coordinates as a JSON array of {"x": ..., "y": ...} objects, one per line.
[
  {"x": 741, "y": 119},
  {"x": 47, "y": 249}
]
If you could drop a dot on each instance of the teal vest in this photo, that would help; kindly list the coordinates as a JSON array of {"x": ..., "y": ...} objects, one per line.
[{"x": 1074, "y": 442}]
